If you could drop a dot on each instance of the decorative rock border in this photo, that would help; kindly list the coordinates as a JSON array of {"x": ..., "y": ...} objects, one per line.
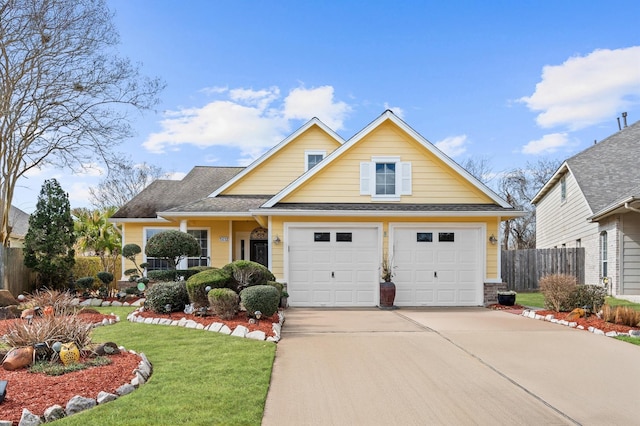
[
  {"x": 218, "y": 327},
  {"x": 531, "y": 313},
  {"x": 80, "y": 403}
]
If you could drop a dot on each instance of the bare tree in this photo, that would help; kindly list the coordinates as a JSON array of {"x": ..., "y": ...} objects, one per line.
[
  {"x": 124, "y": 181},
  {"x": 480, "y": 168},
  {"x": 65, "y": 95},
  {"x": 518, "y": 187}
]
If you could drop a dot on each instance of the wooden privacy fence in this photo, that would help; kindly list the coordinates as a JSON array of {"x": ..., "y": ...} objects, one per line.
[
  {"x": 14, "y": 276},
  {"x": 522, "y": 269}
]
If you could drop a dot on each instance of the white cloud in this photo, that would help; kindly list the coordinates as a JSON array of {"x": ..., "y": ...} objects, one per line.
[
  {"x": 305, "y": 104},
  {"x": 247, "y": 119},
  {"x": 453, "y": 146},
  {"x": 586, "y": 90},
  {"x": 547, "y": 144},
  {"x": 396, "y": 110}
]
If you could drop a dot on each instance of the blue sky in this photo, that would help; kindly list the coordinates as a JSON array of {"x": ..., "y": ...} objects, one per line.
[{"x": 509, "y": 81}]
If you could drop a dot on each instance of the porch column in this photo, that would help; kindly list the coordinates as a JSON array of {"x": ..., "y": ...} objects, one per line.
[{"x": 183, "y": 262}]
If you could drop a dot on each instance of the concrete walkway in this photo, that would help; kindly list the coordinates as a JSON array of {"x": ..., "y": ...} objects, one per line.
[{"x": 447, "y": 366}]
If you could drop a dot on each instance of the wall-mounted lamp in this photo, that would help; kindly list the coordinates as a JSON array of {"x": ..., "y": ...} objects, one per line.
[
  {"x": 492, "y": 239},
  {"x": 277, "y": 240}
]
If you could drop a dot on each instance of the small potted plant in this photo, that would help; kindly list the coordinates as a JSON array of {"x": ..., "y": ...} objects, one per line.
[
  {"x": 507, "y": 298},
  {"x": 387, "y": 288}
]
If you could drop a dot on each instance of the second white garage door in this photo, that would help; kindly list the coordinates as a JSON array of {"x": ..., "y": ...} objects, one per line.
[
  {"x": 438, "y": 266},
  {"x": 333, "y": 266}
]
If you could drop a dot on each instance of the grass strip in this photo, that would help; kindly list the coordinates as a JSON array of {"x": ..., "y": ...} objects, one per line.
[{"x": 199, "y": 377}]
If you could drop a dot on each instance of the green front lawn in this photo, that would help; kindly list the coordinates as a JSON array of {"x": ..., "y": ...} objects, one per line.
[
  {"x": 199, "y": 377},
  {"x": 536, "y": 300}
]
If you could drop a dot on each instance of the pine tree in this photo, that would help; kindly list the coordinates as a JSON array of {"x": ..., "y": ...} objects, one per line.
[{"x": 48, "y": 246}]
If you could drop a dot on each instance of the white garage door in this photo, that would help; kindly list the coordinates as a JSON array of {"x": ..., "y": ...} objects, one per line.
[
  {"x": 333, "y": 266},
  {"x": 437, "y": 266}
]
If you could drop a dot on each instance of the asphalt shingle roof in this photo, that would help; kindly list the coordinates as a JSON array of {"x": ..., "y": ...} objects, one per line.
[
  {"x": 608, "y": 170},
  {"x": 164, "y": 195}
]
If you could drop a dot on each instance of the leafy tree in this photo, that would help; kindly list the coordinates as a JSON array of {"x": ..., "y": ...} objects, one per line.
[
  {"x": 66, "y": 94},
  {"x": 129, "y": 252},
  {"x": 96, "y": 236},
  {"x": 172, "y": 246},
  {"x": 518, "y": 187},
  {"x": 124, "y": 181},
  {"x": 48, "y": 245}
]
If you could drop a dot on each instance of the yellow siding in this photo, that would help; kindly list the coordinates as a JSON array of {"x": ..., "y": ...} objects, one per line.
[
  {"x": 432, "y": 180},
  {"x": 284, "y": 166}
]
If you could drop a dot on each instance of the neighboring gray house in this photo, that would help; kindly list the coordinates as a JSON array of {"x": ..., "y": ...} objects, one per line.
[
  {"x": 593, "y": 201},
  {"x": 19, "y": 222}
]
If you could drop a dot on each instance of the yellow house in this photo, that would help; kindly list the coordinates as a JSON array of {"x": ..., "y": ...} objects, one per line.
[{"x": 321, "y": 213}]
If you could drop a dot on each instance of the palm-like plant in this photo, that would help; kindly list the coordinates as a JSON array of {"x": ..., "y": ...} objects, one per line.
[{"x": 96, "y": 236}]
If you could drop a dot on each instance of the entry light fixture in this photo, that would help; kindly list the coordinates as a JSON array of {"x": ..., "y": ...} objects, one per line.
[
  {"x": 277, "y": 240},
  {"x": 492, "y": 239}
]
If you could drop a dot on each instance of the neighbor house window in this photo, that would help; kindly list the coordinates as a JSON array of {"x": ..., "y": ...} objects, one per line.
[
  {"x": 603, "y": 254},
  {"x": 385, "y": 178},
  {"x": 312, "y": 158},
  {"x": 563, "y": 189}
]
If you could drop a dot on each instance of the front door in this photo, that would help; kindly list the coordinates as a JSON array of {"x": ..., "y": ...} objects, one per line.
[{"x": 260, "y": 252}]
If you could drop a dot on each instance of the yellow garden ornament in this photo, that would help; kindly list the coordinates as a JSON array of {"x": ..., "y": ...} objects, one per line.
[{"x": 69, "y": 353}]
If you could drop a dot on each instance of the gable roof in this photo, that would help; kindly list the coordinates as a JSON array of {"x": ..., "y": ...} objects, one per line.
[
  {"x": 313, "y": 122},
  {"x": 387, "y": 115},
  {"x": 163, "y": 194},
  {"x": 605, "y": 172}
]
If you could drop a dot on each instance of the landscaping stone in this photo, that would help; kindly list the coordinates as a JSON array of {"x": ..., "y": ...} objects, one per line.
[
  {"x": 105, "y": 303},
  {"x": 96, "y": 302},
  {"x": 598, "y": 332},
  {"x": 634, "y": 333},
  {"x": 611, "y": 334},
  {"x": 216, "y": 326},
  {"x": 104, "y": 397},
  {"x": 55, "y": 412},
  {"x": 6, "y": 423},
  {"x": 116, "y": 303},
  {"x": 548, "y": 317},
  {"x": 125, "y": 389},
  {"x": 225, "y": 330},
  {"x": 240, "y": 331},
  {"x": 256, "y": 335},
  {"x": 79, "y": 403},
  {"x": 29, "y": 419}
]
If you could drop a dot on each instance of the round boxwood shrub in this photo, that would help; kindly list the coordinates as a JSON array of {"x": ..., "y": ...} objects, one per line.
[
  {"x": 85, "y": 283},
  {"x": 167, "y": 293},
  {"x": 224, "y": 302},
  {"x": 263, "y": 298},
  {"x": 196, "y": 285},
  {"x": 246, "y": 273},
  {"x": 277, "y": 285}
]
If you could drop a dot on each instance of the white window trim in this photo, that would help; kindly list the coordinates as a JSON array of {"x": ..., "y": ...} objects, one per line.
[
  {"x": 308, "y": 153},
  {"x": 368, "y": 178}
]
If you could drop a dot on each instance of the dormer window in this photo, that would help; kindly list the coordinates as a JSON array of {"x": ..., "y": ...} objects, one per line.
[
  {"x": 311, "y": 158},
  {"x": 385, "y": 178}
]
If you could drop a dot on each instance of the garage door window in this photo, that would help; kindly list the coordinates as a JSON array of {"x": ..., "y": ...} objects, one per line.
[
  {"x": 424, "y": 237},
  {"x": 321, "y": 236},
  {"x": 446, "y": 237},
  {"x": 345, "y": 237}
]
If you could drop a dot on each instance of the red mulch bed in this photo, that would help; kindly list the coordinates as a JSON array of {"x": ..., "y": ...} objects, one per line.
[
  {"x": 240, "y": 319},
  {"x": 37, "y": 392},
  {"x": 586, "y": 322}
]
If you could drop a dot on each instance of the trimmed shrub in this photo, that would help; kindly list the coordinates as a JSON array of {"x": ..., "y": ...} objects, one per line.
[
  {"x": 167, "y": 293},
  {"x": 85, "y": 283},
  {"x": 277, "y": 285},
  {"x": 171, "y": 274},
  {"x": 590, "y": 297},
  {"x": 196, "y": 284},
  {"x": 172, "y": 246},
  {"x": 247, "y": 273},
  {"x": 558, "y": 290},
  {"x": 263, "y": 298},
  {"x": 224, "y": 302},
  {"x": 200, "y": 268},
  {"x": 105, "y": 277}
]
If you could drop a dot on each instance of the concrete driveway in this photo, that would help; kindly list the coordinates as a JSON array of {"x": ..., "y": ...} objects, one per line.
[{"x": 447, "y": 366}]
